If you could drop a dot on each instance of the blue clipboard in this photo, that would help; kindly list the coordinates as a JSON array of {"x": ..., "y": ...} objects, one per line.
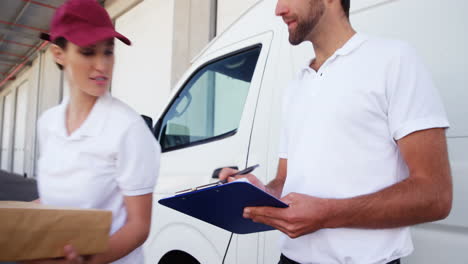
[{"x": 223, "y": 205}]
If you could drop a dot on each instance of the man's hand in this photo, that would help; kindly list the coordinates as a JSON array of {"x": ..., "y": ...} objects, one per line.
[
  {"x": 225, "y": 173},
  {"x": 305, "y": 214}
]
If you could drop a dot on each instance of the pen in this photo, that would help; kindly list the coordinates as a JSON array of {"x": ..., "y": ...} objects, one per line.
[{"x": 242, "y": 172}]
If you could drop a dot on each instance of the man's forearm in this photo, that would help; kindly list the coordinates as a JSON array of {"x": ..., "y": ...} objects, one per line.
[
  {"x": 275, "y": 187},
  {"x": 409, "y": 202}
]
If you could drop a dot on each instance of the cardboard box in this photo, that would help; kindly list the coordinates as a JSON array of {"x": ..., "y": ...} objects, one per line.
[{"x": 34, "y": 231}]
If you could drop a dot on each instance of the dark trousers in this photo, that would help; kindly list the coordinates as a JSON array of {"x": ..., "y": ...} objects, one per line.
[{"x": 285, "y": 260}]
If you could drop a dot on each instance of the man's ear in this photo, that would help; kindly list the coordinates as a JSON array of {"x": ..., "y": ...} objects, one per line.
[{"x": 58, "y": 53}]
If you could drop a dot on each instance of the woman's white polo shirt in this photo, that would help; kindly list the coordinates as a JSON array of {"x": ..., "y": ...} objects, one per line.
[{"x": 112, "y": 154}]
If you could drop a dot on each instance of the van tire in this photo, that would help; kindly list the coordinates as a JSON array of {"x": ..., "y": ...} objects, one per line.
[{"x": 178, "y": 257}]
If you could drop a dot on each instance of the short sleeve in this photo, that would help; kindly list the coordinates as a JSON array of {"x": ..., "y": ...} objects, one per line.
[
  {"x": 138, "y": 160},
  {"x": 413, "y": 101}
]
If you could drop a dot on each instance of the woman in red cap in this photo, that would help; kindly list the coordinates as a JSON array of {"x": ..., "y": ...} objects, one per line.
[{"x": 95, "y": 151}]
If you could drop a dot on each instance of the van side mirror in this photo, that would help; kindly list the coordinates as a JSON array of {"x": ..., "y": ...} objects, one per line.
[
  {"x": 148, "y": 121},
  {"x": 157, "y": 128}
]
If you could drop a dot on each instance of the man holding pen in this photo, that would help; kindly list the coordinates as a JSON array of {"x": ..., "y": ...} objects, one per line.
[{"x": 363, "y": 154}]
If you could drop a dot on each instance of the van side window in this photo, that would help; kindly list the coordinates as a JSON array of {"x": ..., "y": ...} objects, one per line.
[{"x": 210, "y": 104}]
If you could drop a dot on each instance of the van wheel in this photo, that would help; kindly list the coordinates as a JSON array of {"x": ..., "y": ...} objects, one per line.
[{"x": 178, "y": 257}]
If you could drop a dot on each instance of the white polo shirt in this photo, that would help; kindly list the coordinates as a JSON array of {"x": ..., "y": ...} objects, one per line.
[
  {"x": 339, "y": 135},
  {"x": 112, "y": 154}
]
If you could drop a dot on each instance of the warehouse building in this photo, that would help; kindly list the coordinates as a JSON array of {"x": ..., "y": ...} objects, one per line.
[{"x": 166, "y": 35}]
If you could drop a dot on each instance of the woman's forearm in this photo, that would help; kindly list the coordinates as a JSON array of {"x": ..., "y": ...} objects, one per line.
[
  {"x": 121, "y": 243},
  {"x": 133, "y": 234}
]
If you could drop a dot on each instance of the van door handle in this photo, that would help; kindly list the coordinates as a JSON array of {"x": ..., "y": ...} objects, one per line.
[{"x": 218, "y": 170}]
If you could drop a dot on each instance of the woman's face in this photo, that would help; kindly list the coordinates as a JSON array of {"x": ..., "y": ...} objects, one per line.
[{"x": 88, "y": 69}]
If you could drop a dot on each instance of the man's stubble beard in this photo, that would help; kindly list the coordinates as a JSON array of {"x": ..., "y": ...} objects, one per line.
[{"x": 305, "y": 27}]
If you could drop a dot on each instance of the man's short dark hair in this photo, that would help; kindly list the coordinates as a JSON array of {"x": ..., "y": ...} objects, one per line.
[{"x": 346, "y": 4}]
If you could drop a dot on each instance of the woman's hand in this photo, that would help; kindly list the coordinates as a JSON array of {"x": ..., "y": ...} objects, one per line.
[{"x": 71, "y": 257}]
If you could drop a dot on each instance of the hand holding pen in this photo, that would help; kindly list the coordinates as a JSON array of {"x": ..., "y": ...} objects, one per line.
[
  {"x": 226, "y": 175},
  {"x": 230, "y": 175},
  {"x": 241, "y": 172}
]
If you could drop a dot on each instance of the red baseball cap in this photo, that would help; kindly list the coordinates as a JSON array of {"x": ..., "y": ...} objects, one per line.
[{"x": 83, "y": 22}]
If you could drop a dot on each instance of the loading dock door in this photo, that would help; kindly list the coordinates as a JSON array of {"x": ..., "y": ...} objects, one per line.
[
  {"x": 20, "y": 128},
  {"x": 7, "y": 131}
]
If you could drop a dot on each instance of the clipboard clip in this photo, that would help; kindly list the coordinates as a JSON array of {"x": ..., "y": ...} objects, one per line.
[
  {"x": 242, "y": 172},
  {"x": 199, "y": 187}
]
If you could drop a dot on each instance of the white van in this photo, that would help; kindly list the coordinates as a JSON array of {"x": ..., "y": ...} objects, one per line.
[{"x": 225, "y": 111}]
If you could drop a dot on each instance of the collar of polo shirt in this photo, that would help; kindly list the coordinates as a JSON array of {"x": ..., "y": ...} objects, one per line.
[
  {"x": 351, "y": 45},
  {"x": 91, "y": 126}
]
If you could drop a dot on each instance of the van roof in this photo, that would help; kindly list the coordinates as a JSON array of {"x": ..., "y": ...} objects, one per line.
[{"x": 257, "y": 19}]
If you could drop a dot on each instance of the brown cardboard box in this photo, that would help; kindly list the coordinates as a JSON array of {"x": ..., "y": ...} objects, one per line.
[{"x": 34, "y": 231}]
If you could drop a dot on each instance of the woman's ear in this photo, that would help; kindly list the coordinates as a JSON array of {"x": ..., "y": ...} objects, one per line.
[{"x": 58, "y": 53}]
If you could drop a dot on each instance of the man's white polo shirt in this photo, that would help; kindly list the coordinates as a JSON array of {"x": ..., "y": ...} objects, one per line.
[
  {"x": 339, "y": 135},
  {"x": 112, "y": 154}
]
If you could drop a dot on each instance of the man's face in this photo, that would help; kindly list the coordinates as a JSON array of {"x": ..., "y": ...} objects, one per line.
[{"x": 301, "y": 16}]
